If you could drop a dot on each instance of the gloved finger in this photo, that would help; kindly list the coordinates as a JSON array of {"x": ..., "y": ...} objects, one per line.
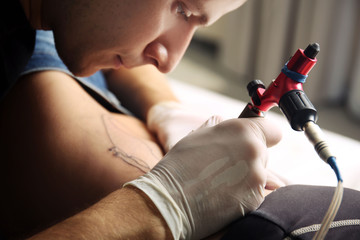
[
  {"x": 275, "y": 180},
  {"x": 266, "y": 130},
  {"x": 212, "y": 121},
  {"x": 255, "y": 135}
]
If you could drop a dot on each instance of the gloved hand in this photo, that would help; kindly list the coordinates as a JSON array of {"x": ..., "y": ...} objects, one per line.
[
  {"x": 171, "y": 121},
  {"x": 211, "y": 177},
  {"x": 275, "y": 180}
]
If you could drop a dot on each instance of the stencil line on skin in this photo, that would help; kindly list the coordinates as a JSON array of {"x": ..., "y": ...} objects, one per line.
[{"x": 114, "y": 130}]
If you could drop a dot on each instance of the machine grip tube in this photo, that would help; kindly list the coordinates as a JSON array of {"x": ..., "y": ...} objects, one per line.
[{"x": 298, "y": 109}]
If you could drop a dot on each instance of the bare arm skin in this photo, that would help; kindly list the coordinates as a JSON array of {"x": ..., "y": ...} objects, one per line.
[
  {"x": 139, "y": 88},
  {"x": 124, "y": 214},
  {"x": 61, "y": 152}
]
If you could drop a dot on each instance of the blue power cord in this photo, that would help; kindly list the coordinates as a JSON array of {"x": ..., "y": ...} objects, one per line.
[{"x": 332, "y": 162}]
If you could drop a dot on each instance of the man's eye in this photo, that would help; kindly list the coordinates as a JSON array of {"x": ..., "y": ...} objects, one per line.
[{"x": 182, "y": 11}]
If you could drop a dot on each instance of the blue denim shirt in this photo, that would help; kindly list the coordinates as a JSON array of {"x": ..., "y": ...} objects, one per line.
[{"x": 45, "y": 57}]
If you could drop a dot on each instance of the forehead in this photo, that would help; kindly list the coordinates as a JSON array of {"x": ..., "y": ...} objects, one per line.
[{"x": 212, "y": 10}]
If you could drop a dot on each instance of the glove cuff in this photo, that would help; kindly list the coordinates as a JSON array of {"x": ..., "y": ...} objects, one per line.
[{"x": 172, "y": 214}]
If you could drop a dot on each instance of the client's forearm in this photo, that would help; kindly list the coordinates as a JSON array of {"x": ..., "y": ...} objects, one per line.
[{"x": 124, "y": 214}]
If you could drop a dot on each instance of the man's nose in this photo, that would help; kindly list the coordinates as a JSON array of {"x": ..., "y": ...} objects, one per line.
[
  {"x": 158, "y": 55},
  {"x": 167, "y": 50}
]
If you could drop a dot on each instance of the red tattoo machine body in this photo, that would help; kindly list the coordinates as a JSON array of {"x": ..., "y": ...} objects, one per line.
[{"x": 286, "y": 91}]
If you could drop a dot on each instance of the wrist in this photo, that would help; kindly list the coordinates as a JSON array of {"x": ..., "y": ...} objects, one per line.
[
  {"x": 124, "y": 214},
  {"x": 151, "y": 217},
  {"x": 177, "y": 220}
]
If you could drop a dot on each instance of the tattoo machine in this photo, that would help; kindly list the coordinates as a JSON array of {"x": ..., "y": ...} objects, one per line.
[{"x": 286, "y": 92}]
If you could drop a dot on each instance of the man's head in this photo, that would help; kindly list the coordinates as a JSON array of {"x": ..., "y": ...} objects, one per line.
[{"x": 97, "y": 34}]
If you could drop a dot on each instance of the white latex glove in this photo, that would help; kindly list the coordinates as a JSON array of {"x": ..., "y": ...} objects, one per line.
[
  {"x": 211, "y": 177},
  {"x": 275, "y": 180},
  {"x": 171, "y": 121}
]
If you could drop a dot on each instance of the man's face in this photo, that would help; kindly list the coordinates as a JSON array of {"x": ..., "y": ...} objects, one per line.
[{"x": 97, "y": 34}]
